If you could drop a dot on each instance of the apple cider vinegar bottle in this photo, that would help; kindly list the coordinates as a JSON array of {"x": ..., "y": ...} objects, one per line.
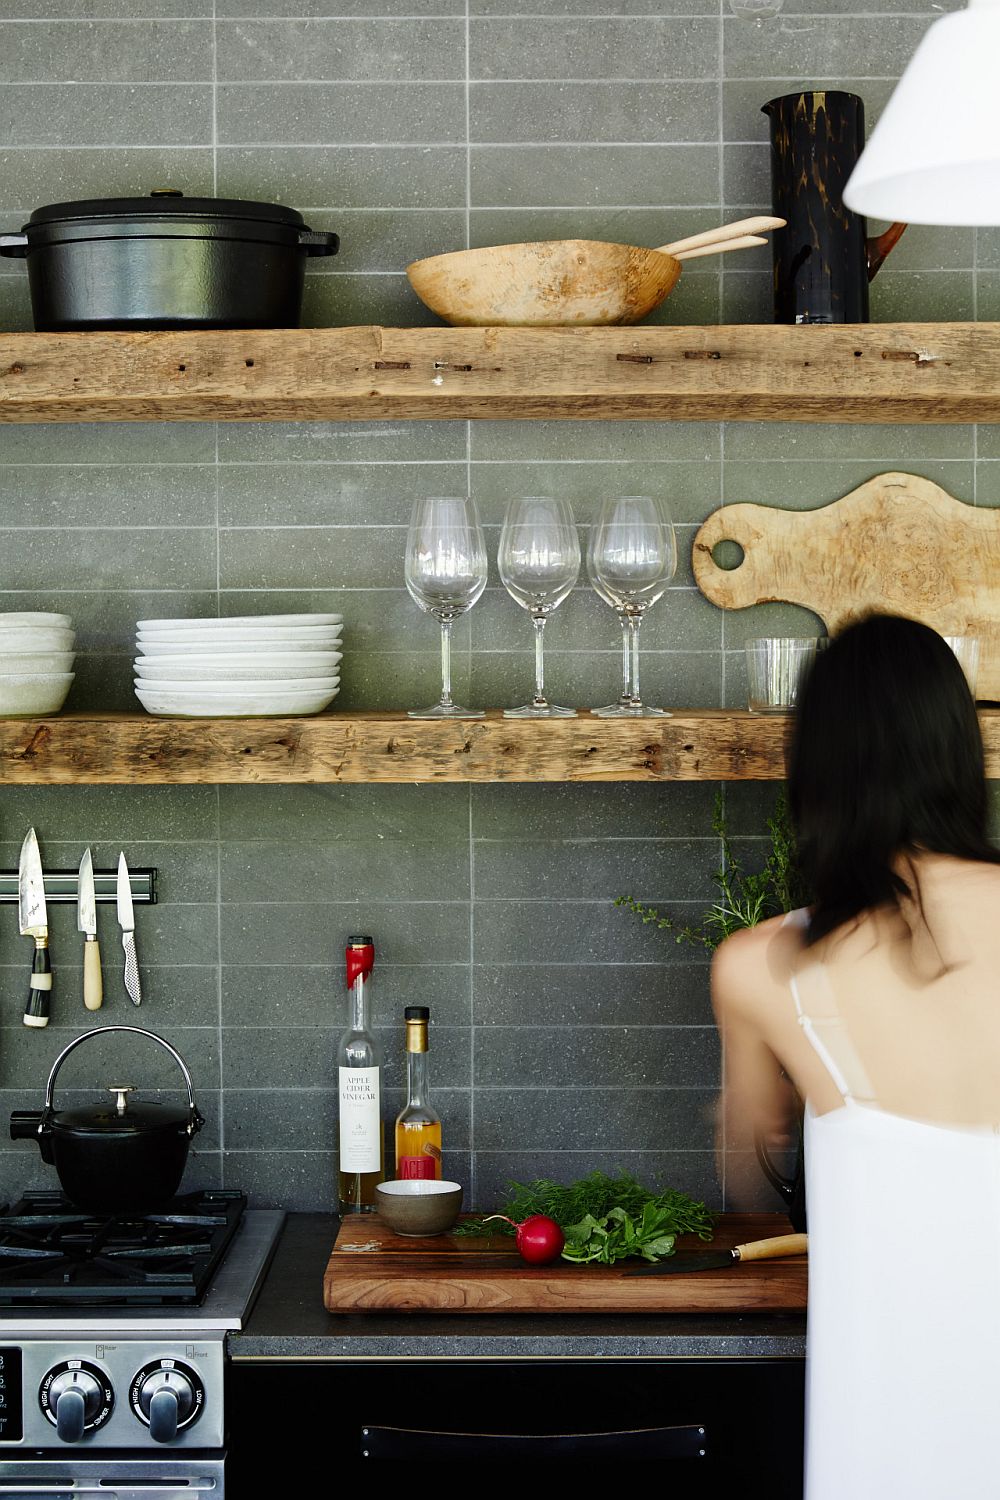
[{"x": 361, "y": 1143}]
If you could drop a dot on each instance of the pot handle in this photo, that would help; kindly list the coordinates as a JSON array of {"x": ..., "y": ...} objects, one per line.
[
  {"x": 195, "y": 1118},
  {"x": 14, "y": 246},
  {"x": 318, "y": 242}
]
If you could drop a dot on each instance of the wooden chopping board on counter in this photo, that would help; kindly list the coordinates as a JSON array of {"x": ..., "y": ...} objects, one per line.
[
  {"x": 371, "y": 1269},
  {"x": 899, "y": 544}
]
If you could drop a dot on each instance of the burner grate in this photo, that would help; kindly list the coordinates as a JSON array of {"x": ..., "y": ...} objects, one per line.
[{"x": 52, "y": 1253}]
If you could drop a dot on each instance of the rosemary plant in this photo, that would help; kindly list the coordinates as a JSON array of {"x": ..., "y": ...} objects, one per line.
[{"x": 746, "y": 897}]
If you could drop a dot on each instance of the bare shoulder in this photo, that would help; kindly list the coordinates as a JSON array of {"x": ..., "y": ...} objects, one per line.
[{"x": 753, "y": 964}]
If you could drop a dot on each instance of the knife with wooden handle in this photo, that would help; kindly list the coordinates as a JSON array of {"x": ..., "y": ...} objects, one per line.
[
  {"x": 713, "y": 1260},
  {"x": 86, "y": 921}
]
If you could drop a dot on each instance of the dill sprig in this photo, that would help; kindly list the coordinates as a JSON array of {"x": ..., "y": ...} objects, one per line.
[{"x": 597, "y": 1194}]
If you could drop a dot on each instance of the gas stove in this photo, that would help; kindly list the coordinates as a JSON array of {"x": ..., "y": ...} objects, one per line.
[{"x": 112, "y": 1341}]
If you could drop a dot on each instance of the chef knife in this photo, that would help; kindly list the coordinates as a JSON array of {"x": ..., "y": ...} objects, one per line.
[
  {"x": 713, "y": 1260},
  {"x": 34, "y": 922},
  {"x": 86, "y": 921},
  {"x": 126, "y": 921}
]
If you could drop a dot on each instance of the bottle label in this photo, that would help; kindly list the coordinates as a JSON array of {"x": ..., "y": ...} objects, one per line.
[
  {"x": 416, "y": 1166},
  {"x": 360, "y": 1120}
]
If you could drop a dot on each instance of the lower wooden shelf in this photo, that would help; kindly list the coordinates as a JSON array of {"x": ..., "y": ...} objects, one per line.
[
  {"x": 124, "y": 749},
  {"x": 692, "y": 745}
]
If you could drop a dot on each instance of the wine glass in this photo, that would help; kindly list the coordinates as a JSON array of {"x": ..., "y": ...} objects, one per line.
[
  {"x": 539, "y": 562},
  {"x": 631, "y": 558},
  {"x": 445, "y": 575}
]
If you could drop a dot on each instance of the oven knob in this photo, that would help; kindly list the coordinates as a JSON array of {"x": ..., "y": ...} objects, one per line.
[
  {"x": 167, "y": 1397},
  {"x": 76, "y": 1398}
]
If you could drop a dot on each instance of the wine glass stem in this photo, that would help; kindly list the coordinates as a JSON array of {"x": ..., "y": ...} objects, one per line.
[
  {"x": 634, "y": 621},
  {"x": 538, "y": 621},
  {"x": 445, "y": 663},
  {"x": 626, "y": 696}
]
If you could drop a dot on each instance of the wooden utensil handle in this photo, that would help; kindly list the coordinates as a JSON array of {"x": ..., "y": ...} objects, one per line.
[
  {"x": 744, "y": 242},
  {"x": 781, "y": 1244},
  {"x": 93, "y": 981},
  {"x": 36, "y": 1012},
  {"x": 759, "y": 225}
]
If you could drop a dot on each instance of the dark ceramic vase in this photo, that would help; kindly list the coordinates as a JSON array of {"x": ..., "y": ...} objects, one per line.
[{"x": 824, "y": 259}]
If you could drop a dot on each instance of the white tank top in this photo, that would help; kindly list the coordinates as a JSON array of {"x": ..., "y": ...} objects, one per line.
[{"x": 903, "y": 1375}]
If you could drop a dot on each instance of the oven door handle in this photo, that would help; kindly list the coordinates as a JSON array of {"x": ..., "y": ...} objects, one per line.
[{"x": 28, "y": 1489}]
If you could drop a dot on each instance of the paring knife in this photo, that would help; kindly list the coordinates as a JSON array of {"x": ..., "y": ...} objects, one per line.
[
  {"x": 34, "y": 922},
  {"x": 86, "y": 921},
  {"x": 714, "y": 1260},
  {"x": 126, "y": 921}
]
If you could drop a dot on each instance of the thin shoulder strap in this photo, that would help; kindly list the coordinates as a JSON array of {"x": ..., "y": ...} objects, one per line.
[{"x": 822, "y": 1024}]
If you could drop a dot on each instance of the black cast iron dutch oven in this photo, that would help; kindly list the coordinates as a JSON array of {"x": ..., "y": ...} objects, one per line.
[
  {"x": 166, "y": 261},
  {"x": 118, "y": 1157}
]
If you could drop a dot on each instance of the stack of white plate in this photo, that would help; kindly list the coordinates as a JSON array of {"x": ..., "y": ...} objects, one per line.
[
  {"x": 241, "y": 667},
  {"x": 36, "y": 662}
]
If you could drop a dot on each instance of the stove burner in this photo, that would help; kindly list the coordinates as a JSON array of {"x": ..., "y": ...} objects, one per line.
[{"x": 53, "y": 1253}]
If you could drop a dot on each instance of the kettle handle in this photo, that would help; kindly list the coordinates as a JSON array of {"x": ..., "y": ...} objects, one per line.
[
  {"x": 877, "y": 247},
  {"x": 135, "y": 1031}
]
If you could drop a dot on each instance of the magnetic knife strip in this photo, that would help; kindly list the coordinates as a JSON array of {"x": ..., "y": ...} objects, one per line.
[{"x": 63, "y": 886}]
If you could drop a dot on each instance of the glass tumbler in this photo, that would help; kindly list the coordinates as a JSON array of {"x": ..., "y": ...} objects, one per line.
[{"x": 777, "y": 666}]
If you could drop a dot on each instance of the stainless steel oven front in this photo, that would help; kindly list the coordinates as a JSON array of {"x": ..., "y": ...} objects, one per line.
[{"x": 116, "y": 1416}]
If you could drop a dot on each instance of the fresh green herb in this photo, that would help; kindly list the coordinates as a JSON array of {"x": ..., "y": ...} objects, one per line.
[
  {"x": 616, "y": 1236},
  {"x": 746, "y": 897},
  {"x": 596, "y": 1195}
]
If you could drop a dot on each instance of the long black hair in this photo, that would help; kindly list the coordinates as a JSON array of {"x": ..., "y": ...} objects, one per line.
[{"x": 886, "y": 759}]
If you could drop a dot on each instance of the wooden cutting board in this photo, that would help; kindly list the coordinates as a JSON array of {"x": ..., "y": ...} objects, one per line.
[
  {"x": 373, "y": 1270},
  {"x": 899, "y": 544}
]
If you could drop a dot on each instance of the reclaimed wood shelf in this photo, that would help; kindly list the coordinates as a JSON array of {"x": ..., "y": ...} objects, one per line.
[
  {"x": 872, "y": 372},
  {"x": 137, "y": 749},
  {"x": 693, "y": 745}
]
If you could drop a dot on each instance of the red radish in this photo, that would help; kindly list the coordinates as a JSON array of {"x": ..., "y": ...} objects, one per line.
[{"x": 539, "y": 1239}]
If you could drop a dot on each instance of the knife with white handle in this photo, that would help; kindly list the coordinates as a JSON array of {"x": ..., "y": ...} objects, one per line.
[
  {"x": 34, "y": 922},
  {"x": 126, "y": 921},
  {"x": 86, "y": 921}
]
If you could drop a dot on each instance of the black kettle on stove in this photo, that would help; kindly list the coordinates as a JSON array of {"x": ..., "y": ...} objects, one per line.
[{"x": 116, "y": 1157}]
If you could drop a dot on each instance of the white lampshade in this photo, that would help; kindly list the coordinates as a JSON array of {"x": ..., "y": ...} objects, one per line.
[{"x": 934, "y": 156}]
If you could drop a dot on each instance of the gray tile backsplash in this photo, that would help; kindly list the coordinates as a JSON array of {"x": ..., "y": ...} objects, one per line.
[{"x": 567, "y": 1035}]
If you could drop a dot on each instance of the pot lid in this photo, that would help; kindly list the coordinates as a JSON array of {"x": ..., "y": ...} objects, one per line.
[
  {"x": 119, "y": 1117},
  {"x": 166, "y": 203}
]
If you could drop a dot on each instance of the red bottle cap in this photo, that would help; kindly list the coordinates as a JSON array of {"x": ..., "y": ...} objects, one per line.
[{"x": 360, "y": 955}]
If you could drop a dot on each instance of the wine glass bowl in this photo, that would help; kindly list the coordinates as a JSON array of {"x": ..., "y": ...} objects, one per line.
[
  {"x": 539, "y": 562},
  {"x": 445, "y": 574},
  {"x": 631, "y": 558}
]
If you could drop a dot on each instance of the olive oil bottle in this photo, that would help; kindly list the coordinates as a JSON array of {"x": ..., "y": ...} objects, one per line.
[{"x": 418, "y": 1129}]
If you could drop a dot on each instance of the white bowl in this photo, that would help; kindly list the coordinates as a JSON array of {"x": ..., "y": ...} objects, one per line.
[
  {"x": 210, "y": 623},
  {"x": 35, "y": 638},
  {"x": 30, "y": 663},
  {"x": 321, "y": 639},
  {"x": 34, "y": 693},
  {"x": 259, "y": 703},
  {"x": 35, "y": 617},
  {"x": 226, "y": 689},
  {"x": 244, "y": 667}
]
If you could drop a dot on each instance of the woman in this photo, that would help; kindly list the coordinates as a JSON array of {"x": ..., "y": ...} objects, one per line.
[{"x": 881, "y": 1004}]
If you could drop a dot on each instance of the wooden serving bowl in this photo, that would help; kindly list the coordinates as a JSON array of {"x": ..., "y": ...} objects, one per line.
[{"x": 545, "y": 284}]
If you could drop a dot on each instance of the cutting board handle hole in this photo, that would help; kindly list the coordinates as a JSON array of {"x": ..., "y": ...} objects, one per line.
[{"x": 728, "y": 555}]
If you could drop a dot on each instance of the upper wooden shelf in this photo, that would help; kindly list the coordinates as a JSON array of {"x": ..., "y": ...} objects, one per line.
[
  {"x": 137, "y": 749},
  {"x": 871, "y": 372},
  {"x": 693, "y": 745}
]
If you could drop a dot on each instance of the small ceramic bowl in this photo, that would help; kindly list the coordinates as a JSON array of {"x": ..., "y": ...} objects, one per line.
[{"x": 417, "y": 1205}]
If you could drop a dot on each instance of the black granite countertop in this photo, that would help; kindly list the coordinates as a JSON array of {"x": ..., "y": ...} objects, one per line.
[{"x": 289, "y": 1322}]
